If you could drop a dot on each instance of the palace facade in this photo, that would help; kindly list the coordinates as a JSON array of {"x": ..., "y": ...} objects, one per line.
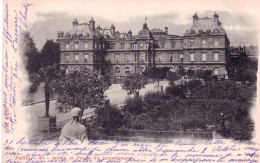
[{"x": 202, "y": 47}]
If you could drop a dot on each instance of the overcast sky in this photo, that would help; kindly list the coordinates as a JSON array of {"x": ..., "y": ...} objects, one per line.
[{"x": 240, "y": 28}]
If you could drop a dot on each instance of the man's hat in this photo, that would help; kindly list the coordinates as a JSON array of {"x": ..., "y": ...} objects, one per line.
[{"x": 76, "y": 112}]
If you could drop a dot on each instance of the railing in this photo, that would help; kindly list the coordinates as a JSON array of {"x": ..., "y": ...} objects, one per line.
[
  {"x": 149, "y": 135},
  {"x": 53, "y": 130}
]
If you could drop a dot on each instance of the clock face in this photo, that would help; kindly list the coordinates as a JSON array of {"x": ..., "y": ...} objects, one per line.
[{"x": 141, "y": 45}]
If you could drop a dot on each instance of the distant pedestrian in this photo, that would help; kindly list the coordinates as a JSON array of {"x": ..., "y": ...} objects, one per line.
[{"x": 74, "y": 130}]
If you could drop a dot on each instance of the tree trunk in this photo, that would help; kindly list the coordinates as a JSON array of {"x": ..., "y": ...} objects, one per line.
[
  {"x": 137, "y": 94},
  {"x": 47, "y": 98}
]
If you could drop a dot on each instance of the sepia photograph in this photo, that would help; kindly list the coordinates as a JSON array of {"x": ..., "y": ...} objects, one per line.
[
  {"x": 129, "y": 74},
  {"x": 96, "y": 82}
]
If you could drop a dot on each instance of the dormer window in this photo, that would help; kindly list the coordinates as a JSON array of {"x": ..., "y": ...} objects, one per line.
[
  {"x": 192, "y": 31},
  {"x": 216, "y": 31},
  {"x": 208, "y": 31},
  {"x": 200, "y": 31}
]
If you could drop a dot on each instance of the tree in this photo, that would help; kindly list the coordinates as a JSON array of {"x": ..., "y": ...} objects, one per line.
[
  {"x": 191, "y": 73},
  {"x": 133, "y": 83},
  {"x": 181, "y": 71},
  {"x": 106, "y": 119},
  {"x": 49, "y": 60},
  {"x": 242, "y": 68},
  {"x": 172, "y": 77},
  {"x": 81, "y": 87},
  {"x": 206, "y": 75},
  {"x": 157, "y": 73},
  {"x": 32, "y": 59}
]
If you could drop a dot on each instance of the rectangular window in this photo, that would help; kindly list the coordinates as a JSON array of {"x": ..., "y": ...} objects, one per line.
[
  {"x": 216, "y": 43},
  {"x": 192, "y": 43},
  {"x": 181, "y": 57},
  {"x": 192, "y": 57},
  {"x": 86, "y": 45},
  {"x": 204, "y": 57},
  {"x": 204, "y": 43},
  {"x": 67, "y": 45},
  {"x": 117, "y": 58},
  {"x": 76, "y": 45},
  {"x": 67, "y": 58},
  {"x": 127, "y": 58},
  {"x": 170, "y": 58},
  {"x": 76, "y": 58},
  {"x": 122, "y": 46},
  {"x": 159, "y": 58},
  {"x": 162, "y": 45},
  {"x": 173, "y": 44},
  {"x": 86, "y": 58},
  {"x": 216, "y": 57}
]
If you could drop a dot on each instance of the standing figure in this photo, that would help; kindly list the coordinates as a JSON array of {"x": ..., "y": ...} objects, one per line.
[{"x": 74, "y": 130}]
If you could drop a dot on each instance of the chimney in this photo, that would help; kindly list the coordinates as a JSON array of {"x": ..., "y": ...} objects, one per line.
[
  {"x": 113, "y": 29},
  {"x": 130, "y": 33},
  {"x": 215, "y": 17},
  {"x": 92, "y": 24},
  {"x": 166, "y": 30},
  {"x": 75, "y": 22}
]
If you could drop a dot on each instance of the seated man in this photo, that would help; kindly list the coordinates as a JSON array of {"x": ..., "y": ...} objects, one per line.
[{"x": 74, "y": 130}]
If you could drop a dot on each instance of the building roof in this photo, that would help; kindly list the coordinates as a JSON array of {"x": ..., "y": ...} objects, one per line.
[
  {"x": 157, "y": 30},
  {"x": 83, "y": 29},
  {"x": 145, "y": 32},
  {"x": 206, "y": 25}
]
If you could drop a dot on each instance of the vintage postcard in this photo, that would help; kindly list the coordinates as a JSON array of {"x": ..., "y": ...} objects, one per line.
[{"x": 130, "y": 81}]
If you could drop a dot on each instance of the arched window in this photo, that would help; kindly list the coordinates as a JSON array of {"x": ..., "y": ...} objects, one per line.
[
  {"x": 216, "y": 71},
  {"x": 127, "y": 70},
  {"x": 200, "y": 31},
  {"x": 117, "y": 70},
  {"x": 208, "y": 31},
  {"x": 204, "y": 69}
]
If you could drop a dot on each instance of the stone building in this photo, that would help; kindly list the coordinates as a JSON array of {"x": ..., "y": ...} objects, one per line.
[{"x": 203, "y": 47}]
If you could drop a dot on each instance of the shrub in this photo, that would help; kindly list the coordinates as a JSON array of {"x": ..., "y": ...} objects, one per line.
[
  {"x": 194, "y": 84},
  {"x": 153, "y": 99},
  {"x": 176, "y": 91},
  {"x": 134, "y": 106}
]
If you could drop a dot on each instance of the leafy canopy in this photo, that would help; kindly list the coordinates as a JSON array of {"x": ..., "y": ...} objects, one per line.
[
  {"x": 81, "y": 87},
  {"x": 134, "y": 82}
]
